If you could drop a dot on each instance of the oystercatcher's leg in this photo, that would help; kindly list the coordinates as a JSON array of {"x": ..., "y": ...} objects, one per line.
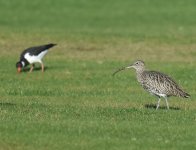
[
  {"x": 31, "y": 69},
  {"x": 42, "y": 67}
]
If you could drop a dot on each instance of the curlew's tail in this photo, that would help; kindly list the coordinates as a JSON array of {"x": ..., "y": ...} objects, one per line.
[{"x": 184, "y": 94}]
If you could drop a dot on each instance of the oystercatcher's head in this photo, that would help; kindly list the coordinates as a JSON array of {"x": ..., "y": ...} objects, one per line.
[{"x": 19, "y": 66}]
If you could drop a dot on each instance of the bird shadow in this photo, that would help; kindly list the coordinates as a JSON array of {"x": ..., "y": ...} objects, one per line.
[
  {"x": 153, "y": 106},
  {"x": 6, "y": 104},
  {"x": 27, "y": 69}
]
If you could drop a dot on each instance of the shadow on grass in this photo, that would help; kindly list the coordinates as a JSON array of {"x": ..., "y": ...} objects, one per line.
[
  {"x": 7, "y": 104},
  {"x": 153, "y": 106},
  {"x": 35, "y": 69}
]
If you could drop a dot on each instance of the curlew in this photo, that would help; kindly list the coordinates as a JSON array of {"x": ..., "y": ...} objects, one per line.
[{"x": 156, "y": 83}]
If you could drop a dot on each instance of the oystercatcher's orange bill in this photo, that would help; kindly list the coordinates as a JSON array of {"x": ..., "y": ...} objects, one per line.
[{"x": 19, "y": 69}]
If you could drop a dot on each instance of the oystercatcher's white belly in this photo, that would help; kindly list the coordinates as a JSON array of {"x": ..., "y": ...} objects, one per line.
[{"x": 35, "y": 58}]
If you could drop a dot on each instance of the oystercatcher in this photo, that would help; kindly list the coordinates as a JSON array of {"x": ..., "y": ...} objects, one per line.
[{"x": 33, "y": 55}]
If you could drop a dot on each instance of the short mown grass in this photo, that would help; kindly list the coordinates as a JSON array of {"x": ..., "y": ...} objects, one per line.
[{"x": 77, "y": 103}]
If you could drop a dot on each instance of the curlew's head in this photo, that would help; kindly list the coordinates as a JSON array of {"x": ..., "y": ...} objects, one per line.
[{"x": 137, "y": 65}]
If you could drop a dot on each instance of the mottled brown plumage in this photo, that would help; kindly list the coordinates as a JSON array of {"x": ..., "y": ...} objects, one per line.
[{"x": 158, "y": 84}]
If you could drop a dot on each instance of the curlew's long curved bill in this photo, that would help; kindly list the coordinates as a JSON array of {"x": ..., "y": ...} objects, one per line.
[{"x": 120, "y": 69}]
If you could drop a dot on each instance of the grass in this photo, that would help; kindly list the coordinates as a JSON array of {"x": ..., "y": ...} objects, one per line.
[{"x": 76, "y": 103}]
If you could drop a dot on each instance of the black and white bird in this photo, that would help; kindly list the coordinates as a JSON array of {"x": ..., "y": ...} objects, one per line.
[
  {"x": 33, "y": 55},
  {"x": 156, "y": 83}
]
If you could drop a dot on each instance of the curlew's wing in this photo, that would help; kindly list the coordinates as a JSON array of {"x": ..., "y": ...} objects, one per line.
[{"x": 162, "y": 84}]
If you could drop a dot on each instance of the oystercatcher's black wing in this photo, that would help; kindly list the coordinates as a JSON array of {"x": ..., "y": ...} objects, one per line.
[{"x": 36, "y": 50}]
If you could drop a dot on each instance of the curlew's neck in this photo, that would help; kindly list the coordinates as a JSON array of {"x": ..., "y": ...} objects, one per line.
[
  {"x": 140, "y": 70},
  {"x": 139, "y": 74}
]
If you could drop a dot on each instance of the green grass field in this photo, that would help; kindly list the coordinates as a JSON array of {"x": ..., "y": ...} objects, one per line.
[{"x": 76, "y": 104}]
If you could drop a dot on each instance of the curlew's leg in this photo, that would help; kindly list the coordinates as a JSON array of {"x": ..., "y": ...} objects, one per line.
[
  {"x": 166, "y": 102},
  {"x": 158, "y": 103},
  {"x": 31, "y": 69}
]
